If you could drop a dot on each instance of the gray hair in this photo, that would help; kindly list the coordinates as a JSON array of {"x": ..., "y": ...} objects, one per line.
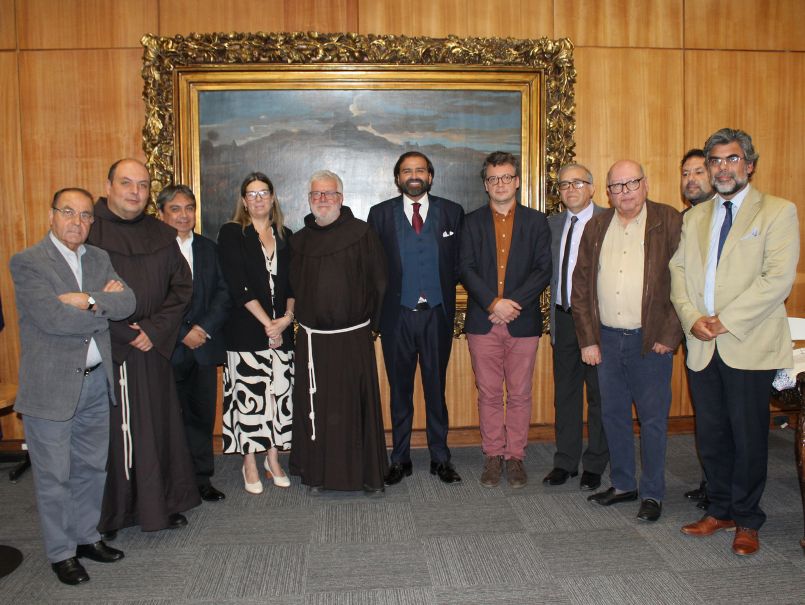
[
  {"x": 580, "y": 167},
  {"x": 326, "y": 174},
  {"x": 725, "y": 136},
  {"x": 170, "y": 192}
]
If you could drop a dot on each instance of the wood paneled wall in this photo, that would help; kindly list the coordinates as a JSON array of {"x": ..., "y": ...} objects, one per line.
[{"x": 655, "y": 77}]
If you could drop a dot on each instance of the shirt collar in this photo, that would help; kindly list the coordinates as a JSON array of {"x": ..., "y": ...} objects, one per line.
[
  {"x": 736, "y": 201},
  {"x": 423, "y": 200},
  {"x": 65, "y": 251},
  {"x": 585, "y": 214}
]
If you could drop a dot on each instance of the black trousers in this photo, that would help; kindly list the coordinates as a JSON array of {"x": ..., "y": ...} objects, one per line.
[
  {"x": 197, "y": 387},
  {"x": 732, "y": 432},
  {"x": 422, "y": 336},
  {"x": 570, "y": 375}
]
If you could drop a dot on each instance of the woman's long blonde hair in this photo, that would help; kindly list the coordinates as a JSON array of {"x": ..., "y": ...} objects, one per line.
[{"x": 241, "y": 216}]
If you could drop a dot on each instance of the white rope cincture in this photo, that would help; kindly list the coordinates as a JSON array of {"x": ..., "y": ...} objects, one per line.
[
  {"x": 311, "y": 368},
  {"x": 125, "y": 410}
]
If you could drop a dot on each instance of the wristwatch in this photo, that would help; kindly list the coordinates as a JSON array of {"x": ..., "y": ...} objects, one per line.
[{"x": 90, "y": 303}]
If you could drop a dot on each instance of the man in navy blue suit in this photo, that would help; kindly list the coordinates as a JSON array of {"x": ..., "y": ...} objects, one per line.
[
  {"x": 200, "y": 346},
  {"x": 420, "y": 234}
]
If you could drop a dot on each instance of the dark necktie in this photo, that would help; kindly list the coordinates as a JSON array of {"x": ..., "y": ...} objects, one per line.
[
  {"x": 416, "y": 218},
  {"x": 566, "y": 262},
  {"x": 725, "y": 228}
]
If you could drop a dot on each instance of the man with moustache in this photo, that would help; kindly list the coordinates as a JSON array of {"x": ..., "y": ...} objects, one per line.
[
  {"x": 570, "y": 374},
  {"x": 338, "y": 276},
  {"x": 627, "y": 327},
  {"x": 200, "y": 347},
  {"x": 420, "y": 235},
  {"x": 695, "y": 179},
  {"x": 150, "y": 479},
  {"x": 696, "y": 188},
  {"x": 735, "y": 266},
  {"x": 505, "y": 266},
  {"x": 66, "y": 294}
]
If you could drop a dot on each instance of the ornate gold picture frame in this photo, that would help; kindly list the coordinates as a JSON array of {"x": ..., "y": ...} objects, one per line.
[{"x": 183, "y": 74}]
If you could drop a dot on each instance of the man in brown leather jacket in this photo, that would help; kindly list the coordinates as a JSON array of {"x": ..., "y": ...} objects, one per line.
[{"x": 626, "y": 326}]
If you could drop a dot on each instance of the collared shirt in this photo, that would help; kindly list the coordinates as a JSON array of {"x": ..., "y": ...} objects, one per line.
[
  {"x": 186, "y": 247},
  {"x": 583, "y": 218},
  {"x": 408, "y": 207},
  {"x": 504, "y": 225},
  {"x": 620, "y": 273},
  {"x": 719, "y": 212},
  {"x": 74, "y": 262}
]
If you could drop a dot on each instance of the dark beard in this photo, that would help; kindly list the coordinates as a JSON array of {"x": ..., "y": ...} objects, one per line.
[{"x": 410, "y": 191}]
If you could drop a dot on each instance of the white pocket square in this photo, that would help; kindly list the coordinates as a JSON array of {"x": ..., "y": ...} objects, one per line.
[
  {"x": 753, "y": 233},
  {"x": 447, "y": 234}
]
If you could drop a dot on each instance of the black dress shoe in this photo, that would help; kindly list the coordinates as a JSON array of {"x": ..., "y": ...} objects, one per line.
[
  {"x": 700, "y": 493},
  {"x": 176, "y": 520},
  {"x": 610, "y": 497},
  {"x": 70, "y": 571},
  {"x": 99, "y": 552},
  {"x": 558, "y": 476},
  {"x": 108, "y": 536},
  {"x": 209, "y": 494},
  {"x": 397, "y": 472},
  {"x": 650, "y": 510},
  {"x": 589, "y": 481},
  {"x": 445, "y": 471},
  {"x": 703, "y": 504}
]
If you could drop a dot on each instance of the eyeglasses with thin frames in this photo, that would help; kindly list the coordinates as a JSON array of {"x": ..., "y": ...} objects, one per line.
[
  {"x": 70, "y": 214},
  {"x": 263, "y": 194},
  {"x": 730, "y": 160},
  {"x": 330, "y": 196},
  {"x": 628, "y": 185},
  {"x": 575, "y": 183}
]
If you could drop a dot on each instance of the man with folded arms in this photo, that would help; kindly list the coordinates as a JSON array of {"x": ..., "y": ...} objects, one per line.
[
  {"x": 627, "y": 327},
  {"x": 735, "y": 266},
  {"x": 66, "y": 294}
]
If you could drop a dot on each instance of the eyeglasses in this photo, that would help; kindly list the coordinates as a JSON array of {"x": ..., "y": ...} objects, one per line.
[
  {"x": 730, "y": 160},
  {"x": 504, "y": 178},
  {"x": 628, "y": 185},
  {"x": 330, "y": 196},
  {"x": 575, "y": 183},
  {"x": 253, "y": 195},
  {"x": 70, "y": 214}
]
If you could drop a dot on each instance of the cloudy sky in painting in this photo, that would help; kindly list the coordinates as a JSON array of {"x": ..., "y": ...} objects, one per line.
[{"x": 453, "y": 118}]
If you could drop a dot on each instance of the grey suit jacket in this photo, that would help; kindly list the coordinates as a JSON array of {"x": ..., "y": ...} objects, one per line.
[
  {"x": 55, "y": 337},
  {"x": 557, "y": 224}
]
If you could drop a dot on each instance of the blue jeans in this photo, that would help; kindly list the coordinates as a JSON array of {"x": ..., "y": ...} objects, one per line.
[{"x": 625, "y": 375}]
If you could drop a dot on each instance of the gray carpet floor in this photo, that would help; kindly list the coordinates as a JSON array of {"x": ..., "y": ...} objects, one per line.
[{"x": 428, "y": 543}]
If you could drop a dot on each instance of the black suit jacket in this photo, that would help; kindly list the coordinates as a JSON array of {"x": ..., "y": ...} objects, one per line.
[
  {"x": 209, "y": 307},
  {"x": 528, "y": 271},
  {"x": 244, "y": 267},
  {"x": 385, "y": 220}
]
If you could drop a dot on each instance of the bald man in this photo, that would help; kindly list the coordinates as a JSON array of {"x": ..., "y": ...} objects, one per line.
[{"x": 627, "y": 327}]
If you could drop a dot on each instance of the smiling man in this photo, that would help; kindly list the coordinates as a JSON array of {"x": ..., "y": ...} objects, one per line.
[
  {"x": 627, "y": 327},
  {"x": 200, "y": 347},
  {"x": 420, "y": 234},
  {"x": 694, "y": 182},
  {"x": 735, "y": 266}
]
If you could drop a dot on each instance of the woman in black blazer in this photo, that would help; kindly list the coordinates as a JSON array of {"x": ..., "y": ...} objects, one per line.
[{"x": 258, "y": 377}]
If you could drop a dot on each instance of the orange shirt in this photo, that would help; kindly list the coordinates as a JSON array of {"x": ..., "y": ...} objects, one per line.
[{"x": 504, "y": 224}]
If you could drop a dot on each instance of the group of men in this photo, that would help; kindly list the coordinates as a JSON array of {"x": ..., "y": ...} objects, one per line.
[{"x": 144, "y": 303}]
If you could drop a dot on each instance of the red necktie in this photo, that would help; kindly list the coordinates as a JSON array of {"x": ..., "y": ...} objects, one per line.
[{"x": 416, "y": 219}]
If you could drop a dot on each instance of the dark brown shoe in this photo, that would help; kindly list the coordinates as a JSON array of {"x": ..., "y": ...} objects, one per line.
[
  {"x": 493, "y": 467},
  {"x": 515, "y": 473},
  {"x": 746, "y": 541},
  {"x": 707, "y": 526}
]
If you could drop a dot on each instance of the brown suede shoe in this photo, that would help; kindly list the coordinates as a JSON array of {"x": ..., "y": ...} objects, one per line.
[
  {"x": 707, "y": 526},
  {"x": 746, "y": 541},
  {"x": 493, "y": 467},
  {"x": 515, "y": 473}
]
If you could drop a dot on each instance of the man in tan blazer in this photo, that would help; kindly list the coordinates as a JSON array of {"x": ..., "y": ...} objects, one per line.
[{"x": 733, "y": 270}]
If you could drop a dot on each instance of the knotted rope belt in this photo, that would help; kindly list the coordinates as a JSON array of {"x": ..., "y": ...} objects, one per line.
[{"x": 311, "y": 368}]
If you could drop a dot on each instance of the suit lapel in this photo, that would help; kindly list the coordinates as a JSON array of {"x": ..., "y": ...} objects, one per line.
[
  {"x": 60, "y": 265},
  {"x": 703, "y": 231}
]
